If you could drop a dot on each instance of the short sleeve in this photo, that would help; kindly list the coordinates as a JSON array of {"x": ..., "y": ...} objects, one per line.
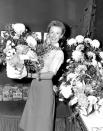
[{"x": 57, "y": 61}]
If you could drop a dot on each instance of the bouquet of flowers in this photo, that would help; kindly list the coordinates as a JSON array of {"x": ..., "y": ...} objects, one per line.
[
  {"x": 19, "y": 51},
  {"x": 82, "y": 83}
]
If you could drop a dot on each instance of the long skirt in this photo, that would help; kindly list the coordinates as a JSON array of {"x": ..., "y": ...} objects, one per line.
[{"x": 38, "y": 113}]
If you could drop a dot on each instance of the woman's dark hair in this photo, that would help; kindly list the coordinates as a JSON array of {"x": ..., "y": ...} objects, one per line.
[
  {"x": 58, "y": 24},
  {"x": 63, "y": 40}
]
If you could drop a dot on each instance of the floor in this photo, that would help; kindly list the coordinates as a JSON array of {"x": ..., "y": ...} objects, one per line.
[{"x": 11, "y": 111}]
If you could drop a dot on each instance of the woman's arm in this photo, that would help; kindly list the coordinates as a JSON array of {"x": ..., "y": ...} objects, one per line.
[{"x": 54, "y": 66}]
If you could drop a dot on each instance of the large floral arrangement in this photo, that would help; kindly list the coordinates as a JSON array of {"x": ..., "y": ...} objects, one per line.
[
  {"x": 19, "y": 50},
  {"x": 82, "y": 83}
]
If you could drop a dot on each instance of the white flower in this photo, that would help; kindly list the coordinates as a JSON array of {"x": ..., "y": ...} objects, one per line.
[
  {"x": 70, "y": 76},
  {"x": 66, "y": 91},
  {"x": 81, "y": 69},
  {"x": 79, "y": 84},
  {"x": 77, "y": 55},
  {"x": 16, "y": 36},
  {"x": 62, "y": 85},
  {"x": 92, "y": 100},
  {"x": 87, "y": 40},
  {"x": 88, "y": 88},
  {"x": 73, "y": 101},
  {"x": 99, "y": 65},
  {"x": 101, "y": 72},
  {"x": 94, "y": 62},
  {"x": 101, "y": 54},
  {"x": 100, "y": 101},
  {"x": 37, "y": 35},
  {"x": 19, "y": 28},
  {"x": 2, "y": 34},
  {"x": 95, "y": 43},
  {"x": 79, "y": 38},
  {"x": 31, "y": 41},
  {"x": 10, "y": 53},
  {"x": 82, "y": 100},
  {"x": 71, "y": 42},
  {"x": 8, "y": 43},
  {"x": 91, "y": 54},
  {"x": 83, "y": 111},
  {"x": 80, "y": 47},
  {"x": 68, "y": 60},
  {"x": 60, "y": 78},
  {"x": 13, "y": 44}
]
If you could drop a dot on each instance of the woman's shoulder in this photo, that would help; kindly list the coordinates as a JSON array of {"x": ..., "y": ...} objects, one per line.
[{"x": 60, "y": 53}]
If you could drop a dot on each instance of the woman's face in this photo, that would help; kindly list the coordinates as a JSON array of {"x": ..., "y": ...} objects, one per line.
[{"x": 55, "y": 33}]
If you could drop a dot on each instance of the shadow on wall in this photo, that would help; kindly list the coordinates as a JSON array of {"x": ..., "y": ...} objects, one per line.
[{"x": 98, "y": 33}]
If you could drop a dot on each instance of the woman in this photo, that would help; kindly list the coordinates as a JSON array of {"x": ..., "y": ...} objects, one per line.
[{"x": 38, "y": 113}]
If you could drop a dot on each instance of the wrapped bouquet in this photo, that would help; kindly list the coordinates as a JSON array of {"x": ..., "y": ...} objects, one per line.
[
  {"x": 20, "y": 51},
  {"x": 82, "y": 83}
]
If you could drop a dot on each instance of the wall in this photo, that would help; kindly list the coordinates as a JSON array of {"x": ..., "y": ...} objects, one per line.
[{"x": 38, "y": 13}]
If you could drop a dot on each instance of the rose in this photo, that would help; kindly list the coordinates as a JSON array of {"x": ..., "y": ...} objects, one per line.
[{"x": 19, "y": 28}]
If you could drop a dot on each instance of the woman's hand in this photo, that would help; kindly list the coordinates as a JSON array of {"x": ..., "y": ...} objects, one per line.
[
  {"x": 39, "y": 76},
  {"x": 32, "y": 75}
]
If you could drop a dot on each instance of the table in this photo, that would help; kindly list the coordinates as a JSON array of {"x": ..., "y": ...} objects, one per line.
[{"x": 93, "y": 122}]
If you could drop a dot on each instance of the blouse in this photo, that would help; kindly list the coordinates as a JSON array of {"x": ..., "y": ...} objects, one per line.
[{"x": 53, "y": 61}]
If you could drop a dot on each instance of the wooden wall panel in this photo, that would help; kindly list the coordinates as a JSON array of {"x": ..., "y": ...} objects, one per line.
[{"x": 98, "y": 33}]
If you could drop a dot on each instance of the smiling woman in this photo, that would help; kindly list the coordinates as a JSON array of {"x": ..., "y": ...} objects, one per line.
[{"x": 39, "y": 110}]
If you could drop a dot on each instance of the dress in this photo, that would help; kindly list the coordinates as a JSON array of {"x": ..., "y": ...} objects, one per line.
[{"x": 38, "y": 113}]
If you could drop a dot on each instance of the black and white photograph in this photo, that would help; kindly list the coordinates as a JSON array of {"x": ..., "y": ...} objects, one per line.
[{"x": 51, "y": 65}]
